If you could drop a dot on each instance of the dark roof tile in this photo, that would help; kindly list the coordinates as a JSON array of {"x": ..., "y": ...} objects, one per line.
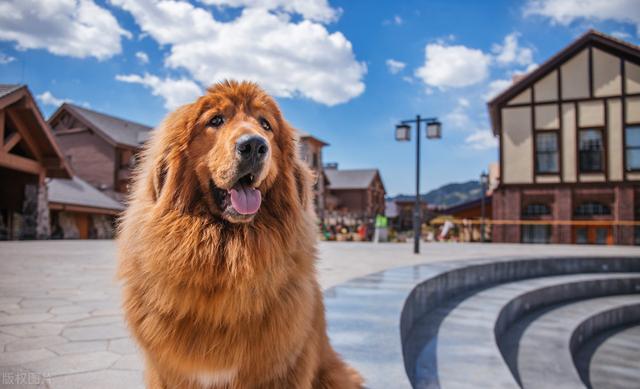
[
  {"x": 350, "y": 179},
  {"x": 6, "y": 89},
  {"x": 76, "y": 191},
  {"x": 119, "y": 130}
]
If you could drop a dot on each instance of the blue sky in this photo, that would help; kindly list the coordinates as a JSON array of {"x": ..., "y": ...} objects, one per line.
[{"x": 346, "y": 71}]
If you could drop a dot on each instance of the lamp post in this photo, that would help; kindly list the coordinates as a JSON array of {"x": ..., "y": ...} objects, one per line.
[
  {"x": 403, "y": 133},
  {"x": 484, "y": 181}
]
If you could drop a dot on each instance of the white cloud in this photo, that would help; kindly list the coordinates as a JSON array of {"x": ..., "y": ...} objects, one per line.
[
  {"x": 496, "y": 87},
  {"x": 287, "y": 58},
  {"x": 5, "y": 58},
  {"x": 47, "y": 98},
  {"x": 142, "y": 57},
  {"x": 396, "y": 20},
  {"x": 175, "y": 92},
  {"x": 481, "y": 140},
  {"x": 318, "y": 10},
  {"x": 565, "y": 12},
  {"x": 511, "y": 53},
  {"x": 458, "y": 118},
  {"x": 621, "y": 35},
  {"x": 394, "y": 66},
  {"x": 499, "y": 85},
  {"x": 453, "y": 66},
  {"x": 75, "y": 28}
]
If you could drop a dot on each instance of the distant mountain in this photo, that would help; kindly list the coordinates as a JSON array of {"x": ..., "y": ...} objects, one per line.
[{"x": 450, "y": 194}]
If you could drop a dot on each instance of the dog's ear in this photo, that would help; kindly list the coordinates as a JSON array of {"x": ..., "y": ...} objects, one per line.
[
  {"x": 159, "y": 149},
  {"x": 159, "y": 177},
  {"x": 304, "y": 182}
]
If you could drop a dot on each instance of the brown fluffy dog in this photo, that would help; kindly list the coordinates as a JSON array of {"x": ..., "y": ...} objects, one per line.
[{"x": 217, "y": 252}]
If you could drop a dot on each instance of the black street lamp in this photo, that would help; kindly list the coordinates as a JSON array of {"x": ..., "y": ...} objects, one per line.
[
  {"x": 403, "y": 133},
  {"x": 484, "y": 182}
]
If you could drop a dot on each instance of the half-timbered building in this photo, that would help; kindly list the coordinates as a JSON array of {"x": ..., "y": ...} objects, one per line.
[{"x": 569, "y": 136}]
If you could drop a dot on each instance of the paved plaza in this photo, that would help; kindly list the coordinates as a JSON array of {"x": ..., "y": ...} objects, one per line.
[{"x": 61, "y": 325}]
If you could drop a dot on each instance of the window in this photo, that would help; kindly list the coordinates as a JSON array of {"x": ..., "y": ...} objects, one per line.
[
  {"x": 632, "y": 147},
  {"x": 534, "y": 210},
  {"x": 538, "y": 233},
  {"x": 592, "y": 235},
  {"x": 582, "y": 235},
  {"x": 591, "y": 151},
  {"x": 592, "y": 209},
  {"x": 547, "y": 152},
  {"x": 636, "y": 230}
]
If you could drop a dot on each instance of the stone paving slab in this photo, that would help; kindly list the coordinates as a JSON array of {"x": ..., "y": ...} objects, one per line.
[{"x": 52, "y": 289}]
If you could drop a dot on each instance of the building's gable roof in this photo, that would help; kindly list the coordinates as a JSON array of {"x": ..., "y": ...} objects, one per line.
[
  {"x": 475, "y": 203},
  {"x": 116, "y": 130},
  {"x": 6, "y": 89},
  {"x": 350, "y": 179},
  {"x": 590, "y": 38},
  {"x": 78, "y": 192},
  {"x": 19, "y": 99},
  {"x": 402, "y": 198},
  {"x": 304, "y": 134}
]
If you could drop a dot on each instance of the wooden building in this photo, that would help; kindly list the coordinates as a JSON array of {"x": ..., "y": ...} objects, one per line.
[
  {"x": 404, "y": 209},
  {"x": 354, "y": 194},
  {"x": 100, "y": 148},
  {"x": 80, "y": 211},
  {"x": 33, "y": 171},
  {"x": 28, "y": 154},
  {"x": 570, "y": 147},
  {"x": 311, "y": 152}
]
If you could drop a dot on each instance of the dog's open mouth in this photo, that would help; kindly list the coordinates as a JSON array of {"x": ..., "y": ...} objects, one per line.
[
  {"x": 245, "y": 199},
  {"x": 242, "y": 199}
]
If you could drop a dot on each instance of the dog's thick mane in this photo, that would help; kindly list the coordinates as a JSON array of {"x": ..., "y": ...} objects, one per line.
[
  {"x": 167, "y": 208},
  {"x": 218, "y": 303}
]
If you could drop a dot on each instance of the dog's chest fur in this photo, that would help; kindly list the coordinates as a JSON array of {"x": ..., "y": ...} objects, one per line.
[{"x": 214, "y": 379}]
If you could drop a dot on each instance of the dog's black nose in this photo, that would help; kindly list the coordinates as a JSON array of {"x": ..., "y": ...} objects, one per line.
[{"x": 252, "y": 147}]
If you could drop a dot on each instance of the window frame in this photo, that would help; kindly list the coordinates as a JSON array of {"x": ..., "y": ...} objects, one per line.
[
  {"x": 537, "y": 206},
  {"x": 627, "y": 148},
  {"x": 592, "y": 215},
  {"x": 529, "y": 233},
  {"x": 603, "y": 150},
  {"x": 556, "y": 134}
]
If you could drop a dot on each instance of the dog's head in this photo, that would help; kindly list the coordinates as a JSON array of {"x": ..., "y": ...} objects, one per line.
[{"x": 233, "y": 145}]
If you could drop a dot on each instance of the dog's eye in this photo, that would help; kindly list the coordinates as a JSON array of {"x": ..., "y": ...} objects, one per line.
[
  {"x": 265, "y": 124},
  {"x": 216, "y": 121}
]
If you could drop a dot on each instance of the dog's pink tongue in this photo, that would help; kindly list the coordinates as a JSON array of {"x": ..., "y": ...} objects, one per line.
[{"x": 245, "y": 200}]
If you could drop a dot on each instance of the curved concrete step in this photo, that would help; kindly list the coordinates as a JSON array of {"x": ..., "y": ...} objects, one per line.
[
  {"x": 465, "y": 354},
  {"x": 362, "y": 314},
  {"x": 437, "y": 284},
  {"x": 611, "y": 360},
  {"x": 545, "y": 356}
]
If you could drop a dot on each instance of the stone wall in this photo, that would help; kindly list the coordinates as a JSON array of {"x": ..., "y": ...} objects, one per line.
[
  {"x": 43, "y": 227},
  {"x": 29, "y": 226},
  {"x": 35, "y": 213},
  {"x": 103, "y": 227},
  {"x": 68, "y": 225}
]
